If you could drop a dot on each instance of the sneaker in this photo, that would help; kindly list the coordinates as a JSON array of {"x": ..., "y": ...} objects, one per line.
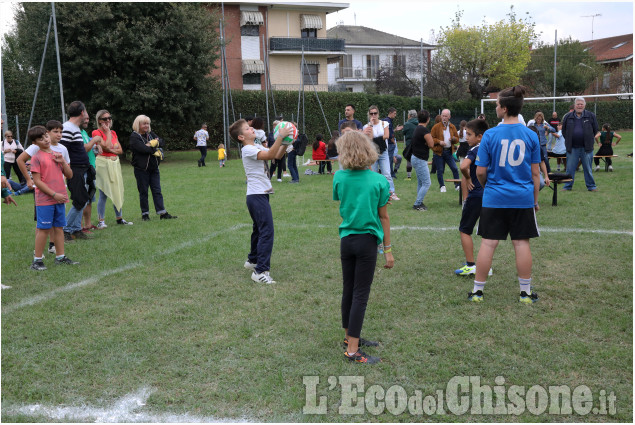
[
  {"x": 52, "y": 249},
  {"x": 145, "y": 217},
  {"x": 528, "y": 299},
  {"x": 465, "y": 270},
  {"x": 443, "y": 190},
  {"x": 262, "y": 277},
  {"x": 420, "y": 207},
  {"x": 250, "y": 266},
  {"x": 457, "y": 188},
  {"x": 475, "y": 297},
  {"x": 361, "y": 357},
  {"x": 65, "y": 260},
  {"x": 407, "y": 179},
  {"x": 80, "y": 234},
  {"x": 394, "y": 197},
  {"x": 286, "y": 175},
  {"x": 38, "y": 265},
  {"x": 597, "y": 168},
  {"x": 610, "y": 168},
  {"x": 363, "y": 343},
  {"x": 279, "y": 180},
  {"x": 124, "y": 222},
  {"x": 68, "y": 237},
  {"x": 294, "y": 181},
  {"x": 167, "y": 216},
  {"x": 102, "y": 225}
]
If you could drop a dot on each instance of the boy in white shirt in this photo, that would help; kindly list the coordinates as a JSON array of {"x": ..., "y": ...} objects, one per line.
[{"x": 258, "y": 190}]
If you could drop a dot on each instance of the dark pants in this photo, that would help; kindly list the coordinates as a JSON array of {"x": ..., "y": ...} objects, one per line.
[
  {"x": 359, "y": 257},
  {"x": 152, "y": 179},
  {"x": 277, "y": 164},
  {"x": 293, "y": 167},
  {"x": 203, "y": 150},
  {"x": 262, "y": 233},
  {"x": 543, "y": 154},
  {"x": 440, "y": 161},
  {"x": 322, "y": 165},
  {"x": 604, "y": 150},
  {"x": 392, "y": 147},
  {"x": 18, "y": 174}
]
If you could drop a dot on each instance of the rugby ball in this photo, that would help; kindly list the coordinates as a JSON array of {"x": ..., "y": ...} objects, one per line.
[{"x": 291, "y": 137}]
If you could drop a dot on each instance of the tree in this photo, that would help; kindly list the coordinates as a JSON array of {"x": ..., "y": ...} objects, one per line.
[
  {"x": 130, "y": 58},
  {"x": 487, "y": 57},
  {"x": 576, "y": 69}
]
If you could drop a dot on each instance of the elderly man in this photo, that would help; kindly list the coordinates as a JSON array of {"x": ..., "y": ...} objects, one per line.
[
  {"x": 580, "y": 128},
  {"x": 408, "y": 130},
  {"x": 445, "y": 138}
]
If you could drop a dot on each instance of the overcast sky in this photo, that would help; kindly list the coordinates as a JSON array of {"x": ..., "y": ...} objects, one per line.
[{"x": 414, "y": 19}]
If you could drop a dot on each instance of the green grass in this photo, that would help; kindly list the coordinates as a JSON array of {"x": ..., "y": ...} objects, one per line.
[{"x": 185, "y": 319}]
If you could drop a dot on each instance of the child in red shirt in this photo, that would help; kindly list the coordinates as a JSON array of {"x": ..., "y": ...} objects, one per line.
[
  {"x": 319, "y": 154},
  {"x": 48, "y": 169}
]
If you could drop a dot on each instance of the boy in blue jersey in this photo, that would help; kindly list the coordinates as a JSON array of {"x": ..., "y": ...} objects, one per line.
[
  {"x": 472, "y": 204},
  {"x": 508, "y": 168}
]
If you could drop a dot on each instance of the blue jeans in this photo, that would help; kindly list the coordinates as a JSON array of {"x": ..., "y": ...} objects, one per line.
[
  {"x": 543, "y": 154},
  {"x": 391, "y": 156},
  {"x": 262, "y": 232},
  {"x": 423, "y": 178},
  {"x": 439, "y": 161},
  {"x": 203, "y": 150},
  {"x": 152, "y": 179},
  {"x": 383, "y": 163},
  {"x": 578, "y": 154},
  {"x": 74, "y": 216},
  {"x": 101, "y": 206},
  {"x": 292, "y": 166}
]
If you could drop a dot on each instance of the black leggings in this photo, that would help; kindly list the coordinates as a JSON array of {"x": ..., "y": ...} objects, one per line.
[
  {"x": 604, "y": 150},
  {"x": 359, "y": 257},
  {"x": 322, "y": 165},
  {"x": 7, "y": 171}
]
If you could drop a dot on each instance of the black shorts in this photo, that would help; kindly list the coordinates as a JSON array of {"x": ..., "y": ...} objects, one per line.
[
  {"x": 519, "y": 223},
  {"x": 470, "y": 215},
  {"x": 556, "y": 155},
  {"x": 462, "y": 150}
]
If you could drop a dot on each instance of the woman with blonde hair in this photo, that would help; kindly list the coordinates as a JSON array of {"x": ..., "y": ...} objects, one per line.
[
  {"x": 146, "y": 156},
  {"x": 109, "y": 181},
  {"x": 542, "y": 126},
  {"x": 379, "y": 132},
  {"x": 363, "y": 196}
]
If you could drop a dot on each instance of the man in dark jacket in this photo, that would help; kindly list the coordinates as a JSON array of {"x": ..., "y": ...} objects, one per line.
[
  {"x": 579, "y": 129},
  {"x": 409, "y": 128}
]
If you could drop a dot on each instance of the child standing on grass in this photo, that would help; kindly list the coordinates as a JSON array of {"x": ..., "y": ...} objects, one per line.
[
  {"x": 319, "y": 154},
  {"x": 221, "y": 155},
  {"x": 472, "y": 204},
  {"x": 363, "y": 196},
  {"x": 49, "y": 169},
  {"x": 258, "y": 189},
  {"x": 605, "y": 140},
  {"x": 508, "y": 161}
]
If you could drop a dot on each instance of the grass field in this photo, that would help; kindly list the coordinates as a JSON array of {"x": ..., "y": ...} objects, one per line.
[{"x": 160, "y": 321}]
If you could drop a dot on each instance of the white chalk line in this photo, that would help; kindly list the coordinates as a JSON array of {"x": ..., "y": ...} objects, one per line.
[
  {"x": 94, "y": 279},
  {"x": 127, "y": 409}
]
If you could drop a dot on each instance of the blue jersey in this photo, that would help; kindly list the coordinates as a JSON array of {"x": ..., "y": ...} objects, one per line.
[
  {"x": 477, "y": 192},
  {"x": 507, "y": 151}
]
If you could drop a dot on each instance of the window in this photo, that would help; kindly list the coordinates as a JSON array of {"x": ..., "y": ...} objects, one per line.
[
  {"x": 252, "y": 30},
  {"x": 372, "y": 66},
  {"x": 399, "y": 61},
  {"x": 606, "y": 80},
  {"x": 309, "y": 33},
  {"x": 251, "y": 79},
  {"x": 346, "y": 66},
  {"x": 617, "y": 46},
  {"x": 310, "y": 74}
]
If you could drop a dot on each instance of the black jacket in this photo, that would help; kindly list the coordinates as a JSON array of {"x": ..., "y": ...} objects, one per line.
[
  {"x": 589, "y": 125},
  {"x": 143, "y": 156}
]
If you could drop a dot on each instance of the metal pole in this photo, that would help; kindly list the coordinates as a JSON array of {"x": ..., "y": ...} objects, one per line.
[
  {"x": 17, "y": 128},
  {"x": 266, "y": 85},
  {"x": 302, "y": 76},
  {"x": 222, "y": 74},
  {"x": 555, "y": 61},
  {"x": 421, "y": 87},
  {"x": 39, "y": 76},
  {"x": 5, "y": 118},
  {"x": 59, "y": 66}
]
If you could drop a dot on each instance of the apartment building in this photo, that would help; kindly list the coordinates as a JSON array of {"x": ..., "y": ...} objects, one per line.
[{"x": 283, "y": 31}]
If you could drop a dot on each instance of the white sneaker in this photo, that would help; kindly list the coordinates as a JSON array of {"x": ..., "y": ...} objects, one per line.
[
  {"x": 394, "y": 197},
  {"x": 125, "y": 223},
  {"x": 610, "y": 168},
  {"x": 597, "y": 168},
  {"x": 457, "y": 188},
  {"x": 250, "y": 266},
  {"x": 279, "y": 180},
  {"x": 286, "y": 175},
  {"x": 443, "y": 190},
  {"x": 52, "y": 249},
  {"x": 101, "y": 225},
  {"x": 262, "y": 277}
]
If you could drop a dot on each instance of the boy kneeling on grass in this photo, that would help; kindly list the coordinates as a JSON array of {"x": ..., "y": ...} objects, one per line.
[
  {"x": 48, "y": 169},
  {"x": 258, "y": 190},
  {"x": 508, "y": 160}
]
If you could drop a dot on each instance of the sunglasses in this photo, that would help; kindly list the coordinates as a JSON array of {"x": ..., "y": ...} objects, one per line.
[
  {"x": 105, "y": 119},
  {"x": 373, "y": 113}
]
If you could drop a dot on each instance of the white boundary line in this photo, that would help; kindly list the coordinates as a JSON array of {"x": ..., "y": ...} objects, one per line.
[{"x": 51, "y": 294}]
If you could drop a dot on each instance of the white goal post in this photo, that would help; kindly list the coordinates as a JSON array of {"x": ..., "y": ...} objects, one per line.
[{"x": 591, "y": 96}]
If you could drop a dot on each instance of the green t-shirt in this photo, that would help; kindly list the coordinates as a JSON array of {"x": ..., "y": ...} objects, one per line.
[
  {"x": 361, "y": 193},
  {"x": 91, "y": 154}
]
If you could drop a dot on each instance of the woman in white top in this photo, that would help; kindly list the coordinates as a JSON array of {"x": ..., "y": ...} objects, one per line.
[
  {"x": 378, "y": 131},
  {"x": 10, "y": 146}
]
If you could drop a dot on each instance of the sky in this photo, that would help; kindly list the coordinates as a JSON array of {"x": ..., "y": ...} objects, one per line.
[{"x": 415, "y": 19}]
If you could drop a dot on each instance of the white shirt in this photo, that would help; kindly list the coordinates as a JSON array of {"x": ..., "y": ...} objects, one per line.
[
  {"x": 201, "y": 137},
  {"x": 520, "y": 120},
  {"x": 257, "y": 181},
  {"x": 261, "y": 137},
  {"x": 378, "y": 129},
  {"x": 10, "y": 157},
  {"x": 33, "y": 149},
  {"x": 446, "y": 136}
]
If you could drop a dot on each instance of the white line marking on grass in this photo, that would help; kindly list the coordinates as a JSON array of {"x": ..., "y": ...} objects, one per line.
[
  {"x": 542, "y": 229},
  {"x": 91, "y": 280},
  {"x": 124, "y": 410}
]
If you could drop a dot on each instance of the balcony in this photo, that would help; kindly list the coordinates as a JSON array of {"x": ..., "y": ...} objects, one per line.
[
  {"x": 352, "y": 74},
  {"x": 314, "y": 46}
]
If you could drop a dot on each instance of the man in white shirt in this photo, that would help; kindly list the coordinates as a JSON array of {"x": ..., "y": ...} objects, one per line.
[{"x": 201, "y": 137}]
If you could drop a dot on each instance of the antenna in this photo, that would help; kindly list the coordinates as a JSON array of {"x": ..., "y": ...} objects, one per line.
[
  {"x": 355, "y": 18},
  {"x": 592, "y": 19}
]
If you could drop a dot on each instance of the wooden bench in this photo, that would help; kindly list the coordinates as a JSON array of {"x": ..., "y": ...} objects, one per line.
[
  {"x": 603, "y": 158},
  {"x": 460, "y": 191}
]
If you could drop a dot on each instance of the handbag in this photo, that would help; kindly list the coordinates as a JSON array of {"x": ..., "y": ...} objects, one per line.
[{"x": 407, "y": 152}]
